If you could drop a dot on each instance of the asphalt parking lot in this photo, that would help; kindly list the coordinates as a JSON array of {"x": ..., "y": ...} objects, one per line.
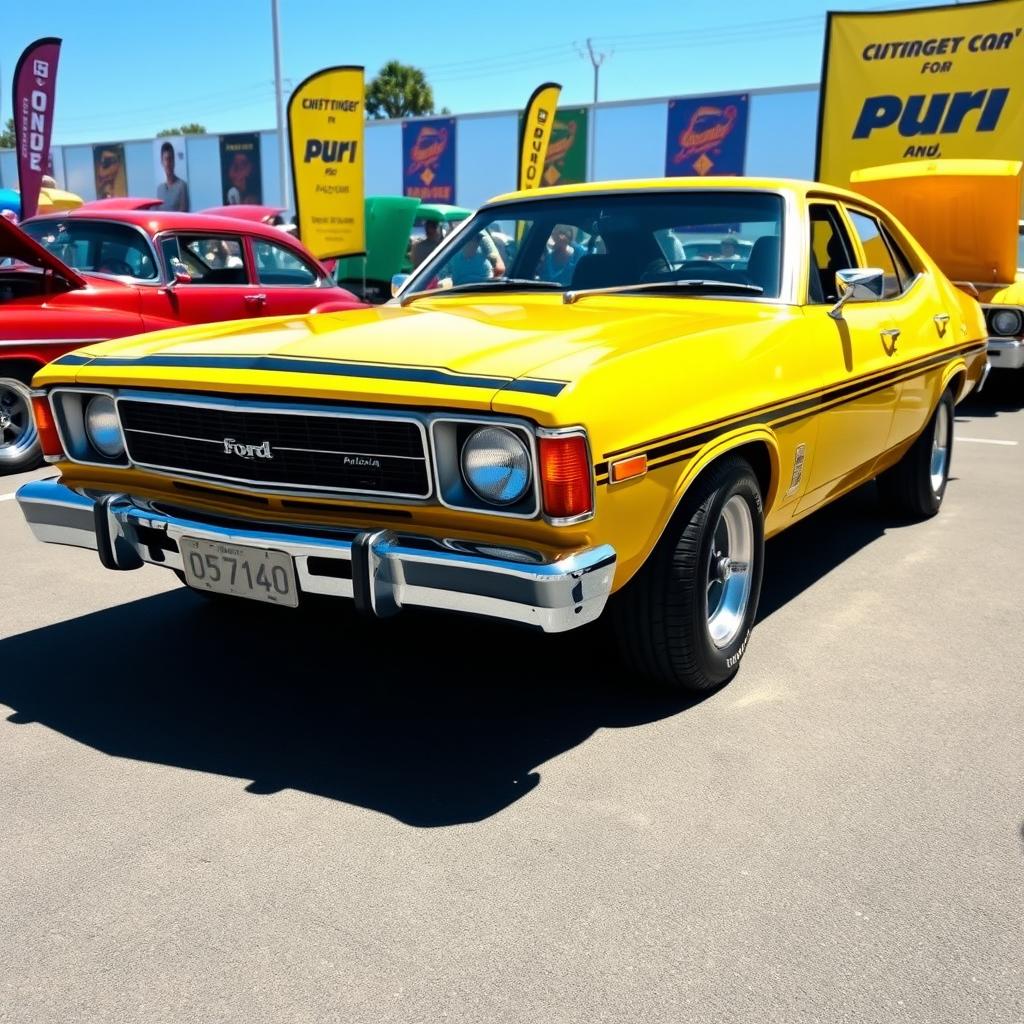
[{"x": 247, "y": 814}]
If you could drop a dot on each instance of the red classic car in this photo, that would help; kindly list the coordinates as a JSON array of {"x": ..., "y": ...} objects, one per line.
[{"x": 91, "y": 275}]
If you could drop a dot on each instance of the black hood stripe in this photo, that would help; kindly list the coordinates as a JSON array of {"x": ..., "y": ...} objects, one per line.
[{"x": 331, "y": 367}]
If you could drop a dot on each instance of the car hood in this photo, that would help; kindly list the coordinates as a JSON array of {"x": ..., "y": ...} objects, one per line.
[
  {"x": 460, "y": 351},
  {"x": 964, "y": 213},
  {"x": 15, "y": 244}
]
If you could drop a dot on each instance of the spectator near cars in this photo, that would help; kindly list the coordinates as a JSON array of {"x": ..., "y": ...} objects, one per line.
[{"x": 106, "y": 273}]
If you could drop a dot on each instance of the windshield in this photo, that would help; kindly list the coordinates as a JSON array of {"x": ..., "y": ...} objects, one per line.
[
  {"x": 96, "y": 247},
  {"x": 610, "y": 241}
]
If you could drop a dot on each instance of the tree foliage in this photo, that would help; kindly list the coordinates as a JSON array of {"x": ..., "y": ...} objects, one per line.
[
  {"x": 399, "y": 90},
  {"x": 7, "y": 135},
  {"x": 185, "y": 129}
]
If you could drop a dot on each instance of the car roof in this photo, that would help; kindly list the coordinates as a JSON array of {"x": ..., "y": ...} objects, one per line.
[
  {"x": 790, "y": 185},
  {"x": 155, "y": 221}
]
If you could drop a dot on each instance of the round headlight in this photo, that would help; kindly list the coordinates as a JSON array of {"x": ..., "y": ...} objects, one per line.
[
  {"x": 102, "y": 427},
  {"x": 496, "y": 465},
  {"x": 1006, "y": 322}
]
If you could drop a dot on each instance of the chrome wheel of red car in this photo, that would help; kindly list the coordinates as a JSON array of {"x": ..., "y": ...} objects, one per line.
[{"x": 19, "y": 442}]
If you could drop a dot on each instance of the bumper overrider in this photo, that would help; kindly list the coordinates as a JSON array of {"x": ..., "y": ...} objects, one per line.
[{"x": 380, "y": 570}]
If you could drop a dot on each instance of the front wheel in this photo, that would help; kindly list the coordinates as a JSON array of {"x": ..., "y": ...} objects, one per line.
[
  {"x": 684, "y": 620},
  {"x": 19, "y": 443},
  {"x": 916, "y": 485}
]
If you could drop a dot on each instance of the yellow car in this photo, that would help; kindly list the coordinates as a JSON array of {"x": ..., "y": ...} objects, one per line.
[{"x": 605, "y": 423}]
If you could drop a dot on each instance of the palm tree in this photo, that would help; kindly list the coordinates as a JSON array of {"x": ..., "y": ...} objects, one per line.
[{"x": 399, "y": 90}]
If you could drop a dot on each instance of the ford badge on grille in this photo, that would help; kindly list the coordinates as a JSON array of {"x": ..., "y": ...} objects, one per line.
[{"x": 247, "y": 451}]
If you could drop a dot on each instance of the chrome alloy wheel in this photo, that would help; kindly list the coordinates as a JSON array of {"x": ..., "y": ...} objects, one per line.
[
  {"x": 729, "y": 572},
  {"x": 940, "y": 447},
  {"x": 17, "y": 428}
]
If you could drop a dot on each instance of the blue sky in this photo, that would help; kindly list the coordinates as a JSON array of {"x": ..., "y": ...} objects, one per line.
[{"x": 129, "y": 69}]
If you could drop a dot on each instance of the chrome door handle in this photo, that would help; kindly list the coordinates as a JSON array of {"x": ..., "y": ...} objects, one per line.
[
  {"x": 941, "y": 321},
  {"x": 893, "y": 334},
  {"x": 255, "y": 300}
]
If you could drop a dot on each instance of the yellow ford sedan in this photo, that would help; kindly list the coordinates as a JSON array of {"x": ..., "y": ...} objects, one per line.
[{"x": 598, "y": 399}]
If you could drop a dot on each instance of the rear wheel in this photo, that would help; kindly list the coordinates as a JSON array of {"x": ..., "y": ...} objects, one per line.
[
  {"x": 19, "y": 442},
  {"x": 684, "y": 620},
  {"x": 916, "y": 485}
]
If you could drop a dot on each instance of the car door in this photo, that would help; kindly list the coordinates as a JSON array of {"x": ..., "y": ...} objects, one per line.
[
  {"x": 920, "y": 321},
  {"x": 858, "y": 398},
  {"x": 219, "y": 285},
  {"x": 288, "y": 282}
]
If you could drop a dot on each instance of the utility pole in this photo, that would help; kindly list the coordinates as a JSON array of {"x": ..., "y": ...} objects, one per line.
[
  {"x": 282, "y": 147},
  {"x": 596, "y": 60}
]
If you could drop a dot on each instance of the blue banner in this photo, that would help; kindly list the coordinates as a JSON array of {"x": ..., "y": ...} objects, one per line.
[
  {"x": 707, "y": 135},
  {"x": 428, "y": 160}
]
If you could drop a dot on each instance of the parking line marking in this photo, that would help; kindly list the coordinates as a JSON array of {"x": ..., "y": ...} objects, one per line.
[
  {"x": 7, "y": 497},
  {"x": 988, "y": 440}
]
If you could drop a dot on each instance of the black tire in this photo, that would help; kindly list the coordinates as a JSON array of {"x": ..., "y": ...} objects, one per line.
[
  {"x": 912, "y": 487},
  {"x": 661, "y": 617},
  {"x": 20, "y": 449}
]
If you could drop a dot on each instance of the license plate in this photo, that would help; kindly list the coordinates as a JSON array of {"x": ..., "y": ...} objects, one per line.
[{"x": 257, "y": 573}]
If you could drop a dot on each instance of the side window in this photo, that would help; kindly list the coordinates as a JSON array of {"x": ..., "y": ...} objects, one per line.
[
  {"x": 831, "y": 251},
  {"x": 212, "y": 260},
  {"x": 277, "y": 264},
  {"x": 877, "y": 252},
  {"x": 904, "y": 267}
]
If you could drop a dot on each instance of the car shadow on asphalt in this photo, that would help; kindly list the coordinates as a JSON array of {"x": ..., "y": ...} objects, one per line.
[
  {"x": 432, "y": 719},
  {"x": 1003, "y": 392}
]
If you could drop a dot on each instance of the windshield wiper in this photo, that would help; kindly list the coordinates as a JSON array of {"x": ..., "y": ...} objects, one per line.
[
  {"x": 685, "y": 285},
  {"x": 472, "y": 286}
]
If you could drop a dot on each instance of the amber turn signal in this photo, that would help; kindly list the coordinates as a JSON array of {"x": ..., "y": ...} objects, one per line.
[
  {"x": 628, "y": 469},
  {"x": 565, "y": 476},
  {"x": 49, "y": 439}
]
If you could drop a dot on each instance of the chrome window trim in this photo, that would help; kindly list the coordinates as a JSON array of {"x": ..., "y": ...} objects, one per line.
[
  {"x": 276, "y": 408},
  {"x": 162, "y": 236},
  {"x": 573, "y": 431},
  {"x": 322, "y": 280},
  {"x": 142, "y": 282},
  {"x": 57, "y": 420},
  {"x": 789, "y": 243},
  {"x": 523, "y": 425}
]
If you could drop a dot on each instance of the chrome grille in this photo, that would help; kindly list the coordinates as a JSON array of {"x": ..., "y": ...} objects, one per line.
[{"x": 306, "y": 449}]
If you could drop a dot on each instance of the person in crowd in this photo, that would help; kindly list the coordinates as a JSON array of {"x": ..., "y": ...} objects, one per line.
[
  {"x": 728, "y": 249},
  {"x": 172, "y": 191},
  {"x": 218, "y": 255},
  {"x": 559, "y": 261},
  {"x": 426, "y": 245},
  {"x": 470, "y": 264},
  {"x": 492, "y": 253}
]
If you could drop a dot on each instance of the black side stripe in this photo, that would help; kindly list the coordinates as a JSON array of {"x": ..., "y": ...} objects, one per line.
[
  {"x": 331, "y": 367},
  {"x": 882, "y": 378},
  {"x": 681, "y": 451}
]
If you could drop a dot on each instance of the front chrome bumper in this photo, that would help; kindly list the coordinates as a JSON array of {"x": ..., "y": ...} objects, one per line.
[
  {"x": 382, "y": 571},
  {"x": 1006, "y": 353}
]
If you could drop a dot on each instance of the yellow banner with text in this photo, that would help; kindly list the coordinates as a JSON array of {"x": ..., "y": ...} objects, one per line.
[{"x": 326, "y": 121}]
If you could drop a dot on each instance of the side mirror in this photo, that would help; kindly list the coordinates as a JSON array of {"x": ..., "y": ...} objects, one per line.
[
  {"x": 179, "y": 271},
  {"x": 859, "y": 284},
  {"x": 398, "y": 282}
]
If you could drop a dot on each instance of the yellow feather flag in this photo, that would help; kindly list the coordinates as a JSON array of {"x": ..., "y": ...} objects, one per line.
[
  {"x": 326, "y": 121},
  {"x": 537, "y": 124}
]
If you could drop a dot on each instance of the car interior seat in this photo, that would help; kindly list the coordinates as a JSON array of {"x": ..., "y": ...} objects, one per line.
[{"x": 763, "y": 265}]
